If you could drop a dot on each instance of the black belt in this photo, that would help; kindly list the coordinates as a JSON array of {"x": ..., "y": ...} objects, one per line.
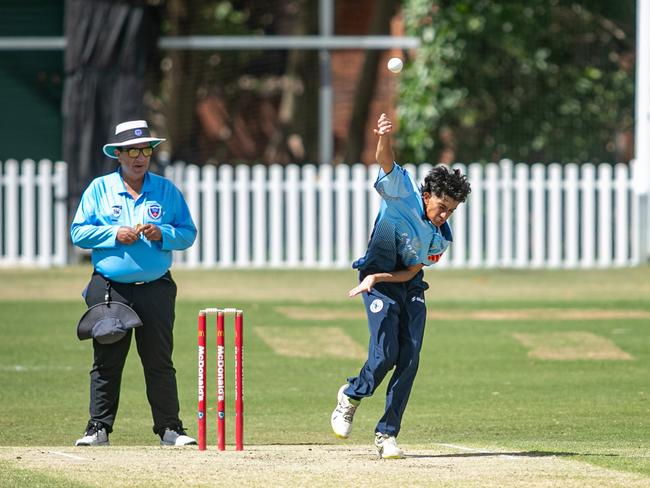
[{"x": 166, "y": 276}]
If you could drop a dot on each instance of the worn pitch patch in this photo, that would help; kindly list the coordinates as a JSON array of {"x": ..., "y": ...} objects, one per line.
[
  {"x": 563, "y": 346},
  {"x": 306, "y": 313},
  {"x": 311, "y": 342},
  {"x": 558, "y": 314}
]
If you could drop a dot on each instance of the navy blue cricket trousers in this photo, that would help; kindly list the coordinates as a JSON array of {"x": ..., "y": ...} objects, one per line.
[{"x": 396, "y": 319}]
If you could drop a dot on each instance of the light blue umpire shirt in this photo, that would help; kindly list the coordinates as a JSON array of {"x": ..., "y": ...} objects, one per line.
[
  {"x": 106, "y": 206},
  {"x": 402, "y": 236}
]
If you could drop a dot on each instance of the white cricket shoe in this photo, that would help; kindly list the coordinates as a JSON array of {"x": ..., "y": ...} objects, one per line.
[
  {"x": 176, "y": 438},
  {"x": 343, "y": 414},
  {"x": 95, "y": 435},
  {"x": 387, "y": 446}
]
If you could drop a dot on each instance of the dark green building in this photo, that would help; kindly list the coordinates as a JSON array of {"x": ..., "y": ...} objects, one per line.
[{"x": 31, "y": 81}]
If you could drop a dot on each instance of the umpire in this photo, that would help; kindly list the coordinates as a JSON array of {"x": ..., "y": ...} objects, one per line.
[{"x": 132, "y": 220}]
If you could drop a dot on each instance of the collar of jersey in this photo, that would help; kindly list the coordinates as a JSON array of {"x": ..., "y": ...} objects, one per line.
[{"x": 118, "y": 184}]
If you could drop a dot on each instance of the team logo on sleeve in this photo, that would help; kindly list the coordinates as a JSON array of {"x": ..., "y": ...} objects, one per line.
[
  {"x": 437, "y": 247},
  {"x": 154, "y": 211},
  {"x": 434, "y": 258},
  {"x": 116, "y": 211},
  {"x": 376, "y": 305}
]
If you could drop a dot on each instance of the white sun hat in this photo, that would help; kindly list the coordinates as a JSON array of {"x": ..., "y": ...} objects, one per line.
[{"x": 128, "y": 134}]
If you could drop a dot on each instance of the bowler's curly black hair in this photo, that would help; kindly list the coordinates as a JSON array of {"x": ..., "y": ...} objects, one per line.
[{"x": 441, "y": 181}]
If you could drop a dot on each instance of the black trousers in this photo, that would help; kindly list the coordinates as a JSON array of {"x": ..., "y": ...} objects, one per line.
[{"x": 155, "y": 303}]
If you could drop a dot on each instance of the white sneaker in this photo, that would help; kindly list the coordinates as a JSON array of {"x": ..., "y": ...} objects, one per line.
[
  {"x": 176, "y": 438},
  {"x": 387, "y": 446},
  {"x": 96, "y": 435},
  {"x": 343, "y": 414}
]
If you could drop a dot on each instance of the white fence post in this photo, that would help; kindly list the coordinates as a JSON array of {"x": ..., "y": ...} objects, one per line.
[
  {"x": 641, "y": 129},
  {"x": 259, "y": 215},
  {"x": 226, "y": 230},
  {"x": 459, "y": 224},
  {"x": 588, "y": 219},
  {"x": 208, "y": 231},
  {"x": 476, "y": 221},
  {"x": 507, "y": 238},
  {"x": 521, "y": 216},
  {"x": 538, "y": 215},
  {"x": 61, "y": 225},
  {"x": 554, "y": 215},
  {"x": 12, "y": 235},
  {"x": 293, "y": 215},
  {"x": 28, "y": 212},
  {"x": 193, "y": 197},
  {"x": 342, "y": 228},
  {"x": 326, "y": 238},
  {"x": 639, "y": 230},
  {"x": 44, "y": 249},
  {"x": 605, "y": 226},
  {"x": 243, "y": 213},
  {"x": 276, "y": 222},
  {"x": 492, "y": 215},
  {"x": 309, "y": 216},
  {"x": 621, "y": 215},
  {"x": 571, "y": 216}
]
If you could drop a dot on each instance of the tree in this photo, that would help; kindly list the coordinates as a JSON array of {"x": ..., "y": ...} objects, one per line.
[
  {"x": 237, "y": 105},
  {"x": 295, "y": 137},
  {"x": 542, "y": 80}
]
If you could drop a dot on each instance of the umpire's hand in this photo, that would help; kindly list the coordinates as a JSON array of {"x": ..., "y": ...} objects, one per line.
[{"x": 127, "y": 235}]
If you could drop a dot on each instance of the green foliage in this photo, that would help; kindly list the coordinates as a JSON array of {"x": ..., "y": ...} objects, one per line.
[
  {"x": 225, "y": 71},
  {"x": 532, "y": 81}
]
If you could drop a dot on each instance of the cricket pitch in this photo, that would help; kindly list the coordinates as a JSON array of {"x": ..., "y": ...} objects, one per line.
[{"x": 309, "y": 465}]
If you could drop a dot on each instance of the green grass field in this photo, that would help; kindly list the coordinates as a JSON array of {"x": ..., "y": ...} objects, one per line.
[{"x": 541, "y": 363}]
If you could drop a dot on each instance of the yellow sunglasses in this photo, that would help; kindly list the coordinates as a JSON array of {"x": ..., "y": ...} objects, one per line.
[{"x": 134, "y": 152}]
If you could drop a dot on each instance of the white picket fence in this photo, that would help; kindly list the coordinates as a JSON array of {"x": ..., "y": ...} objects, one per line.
[
  {"x": 521, "y": 216},
  {"x": 33, "y": 213}
]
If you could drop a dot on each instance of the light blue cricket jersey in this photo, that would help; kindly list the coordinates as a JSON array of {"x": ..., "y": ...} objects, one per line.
[
  {"x": 402, "y": 235},
  {"x": 106, "y": 206}
]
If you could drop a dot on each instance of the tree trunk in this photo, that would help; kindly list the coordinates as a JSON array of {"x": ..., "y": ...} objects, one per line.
[
  {"x": 296, "y": 136},
  {"x": 182, "y": 121},
  {"x": 380, "y": 24}
]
